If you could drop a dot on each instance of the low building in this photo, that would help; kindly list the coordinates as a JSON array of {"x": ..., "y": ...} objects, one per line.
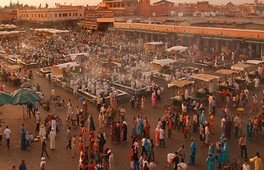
[{"x": 51, "y": 14}]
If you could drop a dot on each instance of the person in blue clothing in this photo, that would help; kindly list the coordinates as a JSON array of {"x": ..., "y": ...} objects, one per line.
[
  {"x": 210, "y": 161},
  {"x": 226, "y": 153},
  {"x": 193, "y": 149},
  {"x": 220, "y": 154},
  {"x": 23, "y": 138},
  {"x": 140, "y": 126},
  {"x": 249, "y": 129},
  {"x": 211, "y": 148}
]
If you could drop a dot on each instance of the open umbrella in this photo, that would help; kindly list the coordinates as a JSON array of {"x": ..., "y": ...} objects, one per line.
[
  {"x": 4, "y": 98},
  {"x": 24, "y": 96}
]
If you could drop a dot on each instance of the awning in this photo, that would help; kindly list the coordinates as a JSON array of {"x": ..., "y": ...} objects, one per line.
[
  {"x": 255, "y": 42},
  {"x": 184, "y": 35},
  {"x": 205, "y": 77},
  {"x": 222, "y": 38}
]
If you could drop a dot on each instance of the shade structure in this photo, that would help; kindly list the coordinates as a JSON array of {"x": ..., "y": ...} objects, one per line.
[
  {"x": 24, "y": 96},
  {"x": 4, "y": 98}
]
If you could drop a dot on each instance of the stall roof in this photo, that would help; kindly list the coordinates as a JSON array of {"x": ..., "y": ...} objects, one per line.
[
  {"x": 154, "y": 43},
  {"x": 177, "y": 48},
  {"x": 9, "y": 32},
  {"x": 240, "y": 66},
  {"x": 73, "y": 56},
  {"x": 180, "y": 83},
  {"x": 255, "y": 62},
  {"x": 225, "y": 71},
  {"x": 205, "y": 77},
  {"x": 69, "y": 64},
  {"x": 50, "y": 30},
  {"x": 163, "y": 62}
]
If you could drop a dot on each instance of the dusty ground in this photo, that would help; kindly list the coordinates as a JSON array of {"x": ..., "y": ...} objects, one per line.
[{"x": 61, "y": 158}]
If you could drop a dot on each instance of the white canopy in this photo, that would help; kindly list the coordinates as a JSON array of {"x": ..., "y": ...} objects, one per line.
[
  {"x": 154, "y": 43},
  {"x": 240, "y": 66},
  {"x": 205, "y": 77},
  {"x": 69, "y": 64},
  {"x": 177, "y": 49},
  {"x": 9, "y": 32},
  {"x": 73, "y": 56},
  {"x": 50, "y": 30},
  {"x": 163, "y": 62},
  {"x": 255, "y": 62}
]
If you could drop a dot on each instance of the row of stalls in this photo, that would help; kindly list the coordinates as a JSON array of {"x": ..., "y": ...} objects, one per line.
[{"x": 218, "y": 81}]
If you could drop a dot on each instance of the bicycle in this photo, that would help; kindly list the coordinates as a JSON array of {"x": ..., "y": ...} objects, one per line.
[
  {"x": 71, "y": 122},
  {"x": 232, "y": 165}
]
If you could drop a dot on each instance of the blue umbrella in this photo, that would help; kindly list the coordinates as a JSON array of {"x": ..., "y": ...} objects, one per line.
[
  {"x": 4, "y": 98},
  {"x": 24, "y": 96}
]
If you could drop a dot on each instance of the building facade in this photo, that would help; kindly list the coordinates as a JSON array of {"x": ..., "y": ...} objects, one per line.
[
  {"x": 216, "y": 40},
  {"x": 51, "y": 14}
]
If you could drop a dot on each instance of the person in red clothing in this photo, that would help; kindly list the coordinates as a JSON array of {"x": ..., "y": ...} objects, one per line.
[{"x": 92, "y": 166}]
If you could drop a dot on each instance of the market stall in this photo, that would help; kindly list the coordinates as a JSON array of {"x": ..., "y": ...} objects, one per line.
[
  {"x": 153, "y": 46},
  {"x": 204, "y": 79},
  {"x": 241, "y": 67},
  {"x": 255, "y": 64},
  {"x": 176, "y": 49},
  {"x": 178, "y": 99},
  {"x": 225, "y": 73},
  {"x": 158, "y": 64}
]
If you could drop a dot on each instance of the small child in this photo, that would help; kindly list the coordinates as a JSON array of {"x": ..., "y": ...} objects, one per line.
[{"x": 31, "y": 139}]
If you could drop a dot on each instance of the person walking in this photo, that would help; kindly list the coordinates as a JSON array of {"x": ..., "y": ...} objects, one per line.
[
  {"x": 243, "y": 147},
  {"x": 257, "y": 161},
  {"x": 111, "y": 160},
  {"x": 162, "y": 137},
  {"x": 69, "y": 138},
  {"x": 23, "y": 138},
  {"x": 37, "y": 121},
  {"x": 1, "y": 135},
  {"x": 210, "y": 161},
  {"x": 73, "y": 146},
  {"x": 245, "y": 165},
  {"x": 52, "y": 137},
  {"x": 193, "y": 149},
  {"x": 23, "y": 166},
  {"x": 7, "y": 134},
  {"x": 43, "y": 146}
]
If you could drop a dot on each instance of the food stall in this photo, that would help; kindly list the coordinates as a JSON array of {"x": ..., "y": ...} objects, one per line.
[
  {"x": 154, "y": 46},
  {"x": 158, "y": 64},
  {"x": 13, "y": 78},
  {"x": 178, "y": 99},
  {"x": 255, "y": 64},
  {"x": 204, "y": 79},
  {"x": 225, "y": 73},
  {"x": 176, "y": 49},
  {"x": 242, "y": 67}
]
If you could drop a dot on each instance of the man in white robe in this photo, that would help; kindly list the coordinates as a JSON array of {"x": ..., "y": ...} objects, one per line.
[{"x": 52, "y": 137}]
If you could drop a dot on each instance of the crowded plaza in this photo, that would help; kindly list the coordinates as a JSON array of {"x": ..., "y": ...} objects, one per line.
[{"x": 72, "y": 99}]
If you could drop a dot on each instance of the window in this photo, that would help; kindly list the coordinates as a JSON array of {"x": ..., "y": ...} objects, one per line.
[
  {"x": 80, "y": 15},
  {"x": 35, "y": 15},
  {"x": 70, "y": 14},
  {"x": 27, "y": 15},
  {"x": 55, "y": 15},
  {"x": 39, "y": 15},
  {"x": 76, "y": 14},
  {"x": 31, "y": 15},
  {"x": 59, "y": 14}
]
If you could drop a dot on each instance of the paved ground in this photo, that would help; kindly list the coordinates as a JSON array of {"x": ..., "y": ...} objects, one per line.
[{"x": 61, "y": 158}]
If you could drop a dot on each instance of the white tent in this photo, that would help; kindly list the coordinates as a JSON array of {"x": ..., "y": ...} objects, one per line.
[
  {"x": 158, "y": 64},
  {"x": 73, "y": 56},
  {"x": 177, "y": 49},
  {"x": 69, "y": 64}
]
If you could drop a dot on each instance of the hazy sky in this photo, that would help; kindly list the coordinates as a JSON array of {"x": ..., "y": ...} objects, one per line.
[{"x": 94, "y": 2}]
